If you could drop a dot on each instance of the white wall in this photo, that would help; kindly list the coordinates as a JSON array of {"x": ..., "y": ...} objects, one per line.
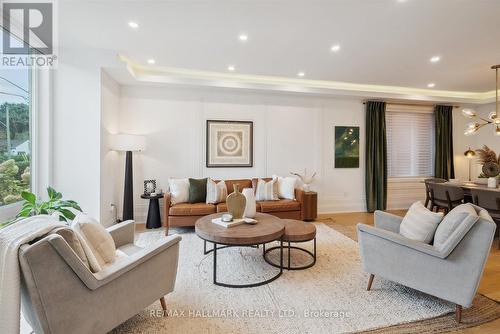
[
  {"x": 484, "y": 136},
  {"x": 110, "y": 104},
  {"x": 290, "y": 133},
  {"x": 76, "y": 125}
]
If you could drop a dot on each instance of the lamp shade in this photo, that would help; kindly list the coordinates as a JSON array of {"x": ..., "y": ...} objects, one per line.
[
  {"x": 469, "y": 153},
  {"x": 126, "y": 142}
]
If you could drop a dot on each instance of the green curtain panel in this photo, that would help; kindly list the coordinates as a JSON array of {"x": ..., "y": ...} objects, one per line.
[
  {"x": 375, "y": 157},
  {"x": 443, "y": 158}
]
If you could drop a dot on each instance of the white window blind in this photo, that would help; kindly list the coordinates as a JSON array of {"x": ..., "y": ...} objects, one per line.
[{"x": 410, "y": 140}]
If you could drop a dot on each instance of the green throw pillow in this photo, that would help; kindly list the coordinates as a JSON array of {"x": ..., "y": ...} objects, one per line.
[{"x": 197, "y": 190}]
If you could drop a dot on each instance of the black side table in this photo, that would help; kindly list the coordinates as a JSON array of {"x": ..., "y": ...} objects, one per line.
[{"x": 154, "y": 218}]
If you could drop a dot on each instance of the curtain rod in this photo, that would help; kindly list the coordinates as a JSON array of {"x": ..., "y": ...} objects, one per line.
[{"x": 412, "y": 104}]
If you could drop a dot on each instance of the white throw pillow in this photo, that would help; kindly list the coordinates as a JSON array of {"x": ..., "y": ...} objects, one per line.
[
  {"x": 485, "y": 215},
  {"x": 267, "y": 191},
  {"x": 97, "y": 243},
  {"x": 216, "y": 192},
  {"x": 179, "y": 190},
  {"x": 420, "y": 223},
  {"x": 452, "y": 221},
  {"x": 286, "y": 186}
]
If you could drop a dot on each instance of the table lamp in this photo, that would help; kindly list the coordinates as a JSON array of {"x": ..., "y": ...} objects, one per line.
[
  {"x": 128, "y": 143},
  {"x": 469, "y": 154}
]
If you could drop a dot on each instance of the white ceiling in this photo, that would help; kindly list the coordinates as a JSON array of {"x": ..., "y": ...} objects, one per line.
[{"x": 383, "y": 42}]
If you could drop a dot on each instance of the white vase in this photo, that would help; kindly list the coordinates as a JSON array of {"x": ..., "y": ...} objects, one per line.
[
  {"x": 250, "y": 207},
  {"x": 305, "y": 187},
  {"x": 492, "y": 182}
]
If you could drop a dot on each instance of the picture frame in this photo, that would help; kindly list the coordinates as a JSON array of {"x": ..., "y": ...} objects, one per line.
[
  {"x": 346, "y": 147},
  {"x": 149, "y": 187},
  {"x": 229, "y": 143}
]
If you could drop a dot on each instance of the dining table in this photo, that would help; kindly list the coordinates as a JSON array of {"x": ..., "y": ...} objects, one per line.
[{"x": 467, "y": 186}]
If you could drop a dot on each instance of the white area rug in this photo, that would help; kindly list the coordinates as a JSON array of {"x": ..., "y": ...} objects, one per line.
[{"x": 330, "y": 297}]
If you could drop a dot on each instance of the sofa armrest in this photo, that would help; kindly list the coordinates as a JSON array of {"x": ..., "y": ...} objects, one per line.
[
  {"x": 166, "y": 209},
  {"x": 123, "y": 233},
  {"x": 126, "y": 264},
  {"x": 115, "y": 270},
  {"x": 398, "y": 239},
  {"x": 299, "y": 195},
  {"x": 387, "y": 221}
]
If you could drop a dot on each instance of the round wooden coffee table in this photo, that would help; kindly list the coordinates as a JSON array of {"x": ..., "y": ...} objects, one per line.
[
  {"x": 295, "y": 231},
  {"x": 269, "y": 228}
]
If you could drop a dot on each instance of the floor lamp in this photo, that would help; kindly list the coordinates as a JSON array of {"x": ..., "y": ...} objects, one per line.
[
  {"x": 128, "y": 143},
  {"x": 469, "y": 154}
]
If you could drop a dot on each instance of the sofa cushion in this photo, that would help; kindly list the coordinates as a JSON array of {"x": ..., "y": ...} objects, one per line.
[
  {"x": 420, "y": 223},
  {"x": 222, "y": 207},
  {"x": 279, "y": 206},
  {"x": 179, "y": 190},
  {"x": 464, "y": 214},
  {"x": 197, "y": 190},
  {"x": 286, "y": 186},
  {"x": 267, "y": 191},
  {"x": 216, "y": 191},
  {"x": 71, "y": 238},
  {"x": 96, "y": 241},
  {"x": 243, "y": 183},
  {"x": 191, "y": 209}
]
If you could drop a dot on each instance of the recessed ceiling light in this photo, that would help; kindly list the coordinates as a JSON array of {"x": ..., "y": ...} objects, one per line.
[
  {"x": 301, "y": 74},
  {"x": 435, "y": 59},
  {"x": 401, "y": 1},
  {"x": 133, "y": 25},
  {"x": 231, "y": 68},
  {"x": 243, "y": 37},
  {"x": 431, "y": 85},
  {"x": 151, "y": 61},
  {"x": 335, "y": 48}
]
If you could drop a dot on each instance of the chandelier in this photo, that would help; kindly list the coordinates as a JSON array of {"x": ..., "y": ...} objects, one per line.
[{"x": 479, "y": 122}]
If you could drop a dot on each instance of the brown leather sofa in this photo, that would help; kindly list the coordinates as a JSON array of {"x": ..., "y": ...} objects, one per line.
[{"x": 186, "y": 214}]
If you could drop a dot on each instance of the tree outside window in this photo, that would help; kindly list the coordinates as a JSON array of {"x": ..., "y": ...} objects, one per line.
[{"x": 15, "y": 135}]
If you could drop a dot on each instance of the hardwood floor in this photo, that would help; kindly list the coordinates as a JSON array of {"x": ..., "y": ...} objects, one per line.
[{"x": 490, "y": 282}]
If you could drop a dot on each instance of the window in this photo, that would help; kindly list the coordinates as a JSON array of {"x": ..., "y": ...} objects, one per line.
[
  {"x": 410, "y": 140},
  {"x": 15, "y": 134}
]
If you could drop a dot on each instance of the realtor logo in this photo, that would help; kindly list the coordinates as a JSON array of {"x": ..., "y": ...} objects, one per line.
[
  {"x": 29, "y": 34},
  {"x": 36, "y": 22}
]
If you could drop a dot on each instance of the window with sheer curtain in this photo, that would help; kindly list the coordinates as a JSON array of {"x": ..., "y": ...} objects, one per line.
[{"x": 410, "y": 140}]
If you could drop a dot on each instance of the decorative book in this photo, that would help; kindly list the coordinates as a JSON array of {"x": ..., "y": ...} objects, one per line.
[{"x": 234, "y": 222}]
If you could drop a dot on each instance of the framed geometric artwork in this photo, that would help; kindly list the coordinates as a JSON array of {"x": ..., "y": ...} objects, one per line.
[
  {"x": 229, "y": 143},
  {"x": 347, "y": 147}
]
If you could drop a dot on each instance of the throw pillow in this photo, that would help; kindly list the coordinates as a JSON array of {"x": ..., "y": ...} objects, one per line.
[
  {"x": 216, "y": 192},
  {"x": 97, "y": 243},
  {"x": 420, "y": 223},
  {"x": 179, "y": 190},
  {"x": 74, "y": 242},
  {"x": 485, "y": 215},
  {"x": 267, "y": 191},
  {"x": 286, "y": 187},
  {"x": 197, "y": 190},
  {"x": 452, "y": 221}
]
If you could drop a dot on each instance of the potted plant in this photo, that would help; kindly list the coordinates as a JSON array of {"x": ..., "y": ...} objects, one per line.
[
  {"x": 491, "y": 165},
  {"x": 54, "y": 205}
]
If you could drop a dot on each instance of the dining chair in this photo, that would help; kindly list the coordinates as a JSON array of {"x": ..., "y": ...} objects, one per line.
[
  {"x": 428, "y": 190},
  {"x": 445, "y": 196},
  {"x": 490, "y": 201}
]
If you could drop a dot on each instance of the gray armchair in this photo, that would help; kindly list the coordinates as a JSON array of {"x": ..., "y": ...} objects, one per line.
[
  {"x": 451, "y": 272},
  {"x": 61, "y": 295}
]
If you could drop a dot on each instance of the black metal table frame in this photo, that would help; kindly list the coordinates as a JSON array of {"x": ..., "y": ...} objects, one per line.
[
  {"x": 250, "y": 285},
  {"x": 289, "y": 247}
]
